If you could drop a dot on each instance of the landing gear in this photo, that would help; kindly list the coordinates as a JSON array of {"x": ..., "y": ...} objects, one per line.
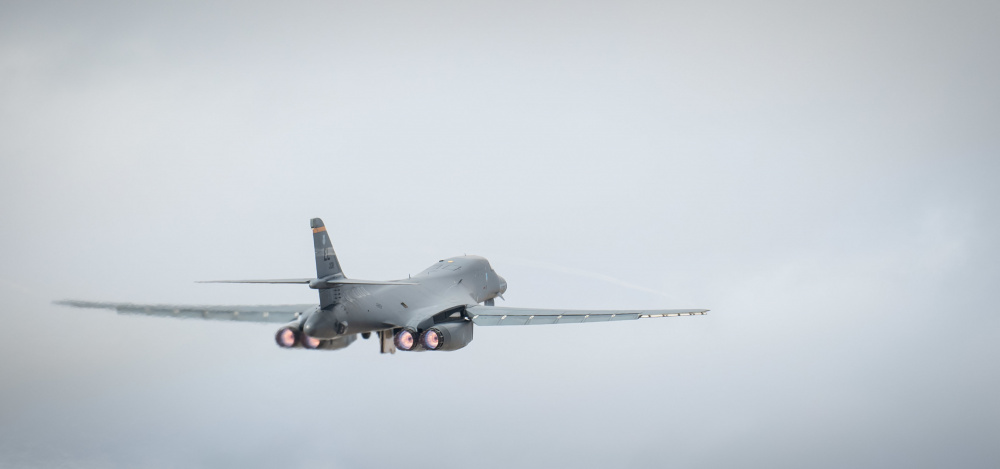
[
  {"x": 386, "y": 343},
  {"x": 366, "y": 335}
]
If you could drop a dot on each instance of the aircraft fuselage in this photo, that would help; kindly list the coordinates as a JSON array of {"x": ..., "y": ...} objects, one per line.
[{"x": 452, "y": 282}]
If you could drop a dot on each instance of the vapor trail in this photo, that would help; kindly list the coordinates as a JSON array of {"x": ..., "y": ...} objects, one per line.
[
  {"x": 19, "y": 288},
  {"x": 585, "y": 273}
]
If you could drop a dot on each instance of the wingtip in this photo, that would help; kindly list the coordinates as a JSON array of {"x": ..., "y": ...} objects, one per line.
[
  {"x": 80, "y": 304},
  {"x": 76, "y": 303}
]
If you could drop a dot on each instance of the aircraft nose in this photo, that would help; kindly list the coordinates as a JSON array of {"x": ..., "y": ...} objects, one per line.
[{"x": 503, "y": 285}]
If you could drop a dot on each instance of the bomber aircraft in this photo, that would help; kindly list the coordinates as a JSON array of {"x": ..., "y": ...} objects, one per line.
[{"x": 433, "y": 310}]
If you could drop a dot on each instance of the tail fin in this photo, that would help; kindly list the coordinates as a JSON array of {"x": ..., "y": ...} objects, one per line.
[
  {"x": 326, "y": 259},
  {"x": 329, "y": 276}
]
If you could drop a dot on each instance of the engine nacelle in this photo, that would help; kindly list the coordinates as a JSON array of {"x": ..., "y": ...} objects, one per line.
[
  {"x": 338, "y": 343},
  {"x": 447, "y": 336},
  {"x": 291, "y": 337},
  {"x": 326, "y": 324}
]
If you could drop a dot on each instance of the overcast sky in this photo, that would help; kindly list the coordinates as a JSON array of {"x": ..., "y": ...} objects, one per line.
[{"x": 821, "y": 175}]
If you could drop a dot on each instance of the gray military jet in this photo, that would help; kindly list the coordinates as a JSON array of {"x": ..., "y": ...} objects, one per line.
[{"x": 433, "y": 310}]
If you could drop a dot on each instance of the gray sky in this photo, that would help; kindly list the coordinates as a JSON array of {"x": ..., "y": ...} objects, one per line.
[{"x": 821, "y": 176}]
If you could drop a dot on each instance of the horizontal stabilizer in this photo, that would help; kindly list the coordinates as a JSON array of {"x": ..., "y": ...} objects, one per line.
[
  {"x": 351, "y": 281},
  {"x": 315, "y": 282},
  {"x": 276, "y": 280}
]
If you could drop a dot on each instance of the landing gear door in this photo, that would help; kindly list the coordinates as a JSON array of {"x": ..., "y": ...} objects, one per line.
[{"x": 385, "y": 340}]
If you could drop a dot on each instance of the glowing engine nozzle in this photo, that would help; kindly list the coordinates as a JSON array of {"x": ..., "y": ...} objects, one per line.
[
  {"x": 287, "y": 337},
  {"x": 432, "y": 339},
  {"x": 311, "y": 343},
  {"x": 406, "y": 339}
]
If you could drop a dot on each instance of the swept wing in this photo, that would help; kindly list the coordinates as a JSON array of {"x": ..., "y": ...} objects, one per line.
[
  {"x": 504, "y": 316},
  {"x": 248, "y": 313}
]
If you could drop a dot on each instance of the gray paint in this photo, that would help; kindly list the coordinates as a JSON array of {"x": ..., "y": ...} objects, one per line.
[
  {"x": 349, "y": 307},
  {"x": 821, "y": 174}
]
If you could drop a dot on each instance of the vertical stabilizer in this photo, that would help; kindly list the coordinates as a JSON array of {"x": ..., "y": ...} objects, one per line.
[
  {"x": 326, "y": 263},
  {"x": 326, "y": 259}
]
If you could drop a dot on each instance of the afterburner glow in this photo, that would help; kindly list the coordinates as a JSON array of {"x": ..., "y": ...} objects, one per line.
[
  {"x": 432, "y": 339},
  {"x": 309, "y": 342},
  {"x": 286, "y": 337},
  {"x": 406, "y": 339}
]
